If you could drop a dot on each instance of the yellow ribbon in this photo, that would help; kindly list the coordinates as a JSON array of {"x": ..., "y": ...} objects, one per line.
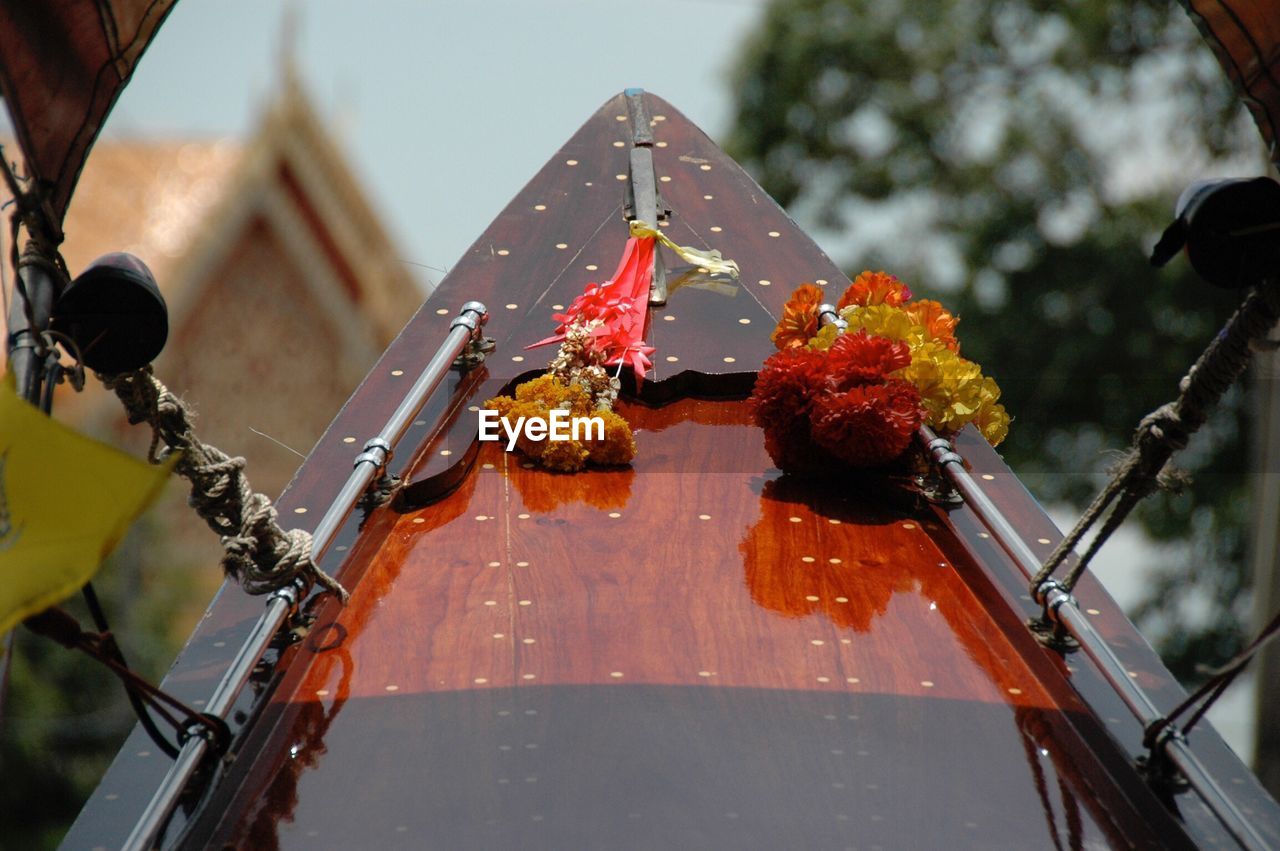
[{"x": 709, "y": 260}]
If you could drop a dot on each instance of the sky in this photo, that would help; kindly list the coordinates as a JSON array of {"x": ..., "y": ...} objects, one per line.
[{"x": 446, "y": 108}]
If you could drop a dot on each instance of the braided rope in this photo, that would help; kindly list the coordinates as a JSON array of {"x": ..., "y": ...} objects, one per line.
[
  {"x": 261, "y": 555},
  {"x": 1167, "y": 429}
]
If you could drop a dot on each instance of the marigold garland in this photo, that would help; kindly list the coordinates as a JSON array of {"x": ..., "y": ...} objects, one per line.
[
  {"x": 841, "y": 403},
  {"x": 537, "y": 398},
  {"x": 870, "y": 424},
  {"x": 782, "y": 400},
  {"x": 858, "y": 396},
  {"x": 602, "y": 327}
]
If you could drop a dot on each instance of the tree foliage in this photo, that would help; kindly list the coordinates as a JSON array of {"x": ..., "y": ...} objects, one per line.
[
  {"x": 65, "y": 715},
  {"x": 1023, "y": 157}
]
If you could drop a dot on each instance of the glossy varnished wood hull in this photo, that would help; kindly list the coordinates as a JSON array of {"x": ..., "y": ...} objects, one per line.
[{"x": 692, "y": 652}]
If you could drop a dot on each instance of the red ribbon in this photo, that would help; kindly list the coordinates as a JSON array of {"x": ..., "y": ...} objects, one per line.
[{"x": 621, "y": 304}]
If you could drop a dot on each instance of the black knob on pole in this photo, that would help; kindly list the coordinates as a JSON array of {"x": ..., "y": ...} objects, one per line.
[
  {"x": 1230, "y": 229},
  {"x": 115, "y": 314}
]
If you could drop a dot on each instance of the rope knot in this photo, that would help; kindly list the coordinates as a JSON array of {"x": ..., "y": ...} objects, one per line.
[
  {"x": 1168, "y": 429},
  {"x": 1165, "y": 425},
  {"x": 258, "y": 553}
]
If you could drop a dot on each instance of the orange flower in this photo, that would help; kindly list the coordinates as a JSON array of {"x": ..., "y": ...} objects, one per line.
[
  {"x": 550, "y": 392},
  {"x": 799, "y": 318},
  {"x": 937, "y": 323},
  {"x": 872, "y": 288}
]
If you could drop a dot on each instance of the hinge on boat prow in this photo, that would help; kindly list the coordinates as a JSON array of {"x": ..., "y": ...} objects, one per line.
[
  {"x": 934, "y": 486},
  {"x": 478, "y": 345},
  {"x": 642, "y": 200},
  {"x": 1049, "y": 628}
]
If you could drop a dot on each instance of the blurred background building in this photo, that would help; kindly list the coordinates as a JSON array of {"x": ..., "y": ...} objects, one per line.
[{"x": 283, "y": 288}]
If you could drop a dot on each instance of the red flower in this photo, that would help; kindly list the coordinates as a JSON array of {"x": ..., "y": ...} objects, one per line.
[
  {"x": 618, "y": 308},
  {"x": 780, "y": 404},
  {"x": 604, "y": 302},
  {"x": 860, "y": 358},
  {"x": 820, "y": 408},
  {"x": 786, "y": 383},
  {"x": 875, "y": 288},
  {"x": 870, "y": 425}
]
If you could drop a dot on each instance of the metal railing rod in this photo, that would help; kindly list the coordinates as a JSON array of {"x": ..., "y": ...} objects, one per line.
[
  {"x": 951, "y": 464},
  {"x": 1064, "y": 609},
  {"x": 377, "y": 451}
]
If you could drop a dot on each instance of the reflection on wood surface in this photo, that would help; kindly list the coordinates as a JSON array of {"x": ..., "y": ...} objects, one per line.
[{"x": 684, "y": 640}]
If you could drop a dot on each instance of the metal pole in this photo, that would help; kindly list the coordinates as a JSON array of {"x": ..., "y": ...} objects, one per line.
[
  {"x": 26, "y": 323},
  {"x": 1064, "y": 609},
  {"x": 643, "y": 185},
  {"x": 28, "y": 320},
  {"x": 377, "y": 451}
]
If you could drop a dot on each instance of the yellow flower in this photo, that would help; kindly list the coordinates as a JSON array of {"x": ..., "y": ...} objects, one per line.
[
  {"x": 824, "y": 338},
  {"x": 568, "y": 456},
  {"x": 537, "y": 397},
  {"x": 993, "y": 422},
  {"x": 950, "y": 386},
  {"x": 915, "y": 323},
  {"x": 991, "y": 419},
  {"x": 501, "y": 404},
  {"x": 884, "y": 320},
  {"x": 618, "y": 446}
]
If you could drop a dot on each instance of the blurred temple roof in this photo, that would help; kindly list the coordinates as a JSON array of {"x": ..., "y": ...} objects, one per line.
[{"x": 149, "y": 198}]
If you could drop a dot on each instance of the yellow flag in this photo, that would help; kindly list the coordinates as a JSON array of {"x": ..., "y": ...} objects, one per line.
[{"x": 65, "y": 502}]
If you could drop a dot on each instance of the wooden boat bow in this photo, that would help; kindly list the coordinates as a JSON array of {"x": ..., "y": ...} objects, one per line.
[{"x": 692, "y": 651}]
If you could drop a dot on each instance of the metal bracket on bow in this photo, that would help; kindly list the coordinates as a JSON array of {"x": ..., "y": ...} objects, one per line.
[{"x": 642, "y": 199}]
